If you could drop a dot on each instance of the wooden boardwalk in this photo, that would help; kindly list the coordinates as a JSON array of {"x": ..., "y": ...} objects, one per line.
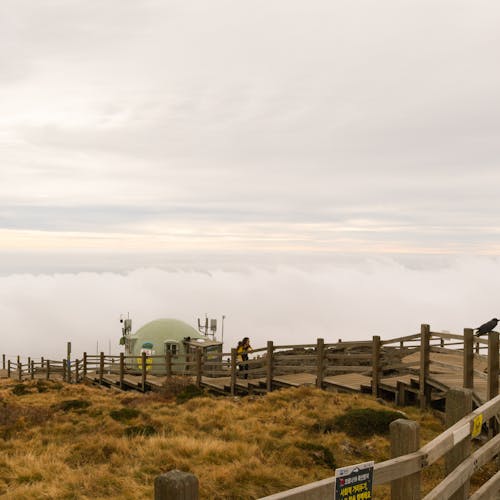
[
  {"x": 445, "y": 372},
  {"x": 391, "y": 369}
]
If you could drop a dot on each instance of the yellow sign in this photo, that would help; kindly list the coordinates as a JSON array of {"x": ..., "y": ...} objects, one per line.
[
  {"x": 478, "y": 423},
  {"x": 149, "y": 363}
]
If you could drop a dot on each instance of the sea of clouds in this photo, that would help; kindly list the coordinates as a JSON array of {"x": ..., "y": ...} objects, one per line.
[{"x": 288, "y": 303}]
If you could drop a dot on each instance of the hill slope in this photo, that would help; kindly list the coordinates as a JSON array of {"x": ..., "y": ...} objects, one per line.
[{"x": 78, "y": 442}]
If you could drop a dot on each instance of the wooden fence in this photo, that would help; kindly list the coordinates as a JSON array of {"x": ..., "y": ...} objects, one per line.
[
  {"x": 404, "y": 471},
  {"x": 375, "y": 359}
]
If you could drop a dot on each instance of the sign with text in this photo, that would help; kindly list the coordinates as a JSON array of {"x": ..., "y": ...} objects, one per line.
[{"x": 354, "y": 482}]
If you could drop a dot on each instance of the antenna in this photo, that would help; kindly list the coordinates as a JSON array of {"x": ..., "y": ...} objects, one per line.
[
  {"x": 208, "y": 327},
  {"x": 222, "y": 329},
  {"x": 127, "y": 325}
]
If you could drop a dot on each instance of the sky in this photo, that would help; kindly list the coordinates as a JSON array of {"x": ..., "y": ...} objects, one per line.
[{"x": 263, "y": 160}]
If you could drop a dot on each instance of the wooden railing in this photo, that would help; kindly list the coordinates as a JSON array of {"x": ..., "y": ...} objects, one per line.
[
  {"x": 403, "y": 472},
  {"x": 375, "y": 358}
]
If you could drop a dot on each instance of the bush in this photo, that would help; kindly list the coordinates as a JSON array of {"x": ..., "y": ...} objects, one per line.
[
  {"x": 41, "y": 386},
  {"x": 319, "y": 453},
  {"x": 20, "y": 390},
  {"x": 124, "y": 414},
  {"x": 72, "y": 404},
  {"x": 189, "y": 392},
  {"x": 364, "y": 422},
  {"x": 173, "y": 386}
]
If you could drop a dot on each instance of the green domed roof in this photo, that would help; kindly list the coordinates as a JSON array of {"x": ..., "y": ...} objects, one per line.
[{"x": 160, "y": 330}]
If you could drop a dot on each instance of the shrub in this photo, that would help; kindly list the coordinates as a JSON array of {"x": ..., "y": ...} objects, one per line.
[
  {"x": 20, "y": 390},
  {"x": 189, "y": 392},
  {"x": 72, "y": 404},
  {"x": 319, "y": 453},
  {"x": 41, "y": 386},
  {"x": 364, "y": 422},
  {"x": 174, "y": 386},
  {"x": 124, "y": 414}
]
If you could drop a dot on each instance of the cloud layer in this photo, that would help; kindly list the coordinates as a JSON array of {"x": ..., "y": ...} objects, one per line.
[{"x": 40, "y": 313}]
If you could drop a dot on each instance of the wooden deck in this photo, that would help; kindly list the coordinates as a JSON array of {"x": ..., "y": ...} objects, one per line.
[
  {"x": 445, "y": 372},
  {"x": 346, "y": 367},
  {"x": 348, "y": 382}
]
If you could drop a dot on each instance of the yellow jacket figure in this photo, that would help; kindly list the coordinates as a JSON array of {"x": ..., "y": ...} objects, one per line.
[{"x": 243, "y": 349}]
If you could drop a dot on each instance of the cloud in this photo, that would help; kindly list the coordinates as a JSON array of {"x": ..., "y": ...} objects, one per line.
[{"x": 286, "y": 304}]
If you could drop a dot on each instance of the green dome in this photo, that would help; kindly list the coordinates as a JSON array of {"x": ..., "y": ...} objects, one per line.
[{"x": 160, "y": 330}]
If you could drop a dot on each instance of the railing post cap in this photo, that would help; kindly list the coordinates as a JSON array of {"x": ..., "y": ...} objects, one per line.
[
  {"x": 403, "y": 422},
  {"x": 176, "y": 484}
]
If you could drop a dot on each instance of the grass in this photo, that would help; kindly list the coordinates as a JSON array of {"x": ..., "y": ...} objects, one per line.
[{"x": 82, "y": 442}]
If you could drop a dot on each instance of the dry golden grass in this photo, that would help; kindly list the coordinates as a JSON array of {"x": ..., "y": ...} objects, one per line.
[{"x": 240, "y": 448}]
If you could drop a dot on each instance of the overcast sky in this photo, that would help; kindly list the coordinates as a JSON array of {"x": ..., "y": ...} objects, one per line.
[
  {"x": 207, "y": 135},
  {"x": 284, "y": 125}
]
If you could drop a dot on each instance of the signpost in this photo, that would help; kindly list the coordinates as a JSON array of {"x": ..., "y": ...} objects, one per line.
[{"x": 354, "y": 482}]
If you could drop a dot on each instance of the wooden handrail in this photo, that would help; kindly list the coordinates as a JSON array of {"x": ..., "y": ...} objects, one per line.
[{"x": 464, "y": 471}]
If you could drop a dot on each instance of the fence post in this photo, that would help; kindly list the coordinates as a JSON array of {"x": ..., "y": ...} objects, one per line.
[
  {"x": 143, "y": 371},
  {"x": 492, "y": 365},
  {"x": 84, "y": 365},
  {"x": 42, "y": 364},
  {"x": 458, "y": 404},
  {"x": 169, "y": 363},
  {"x": 176, "y": 485},
  {"x": 68, "y": 362},
  {"x": 29, "y": 365},
  {"x": 101, "y": 368},
  {"x": 19, "y": 371},
  {"x": 492, "y": 387},
  {"x": 8, "y": 368},
  {"x": 320, "y": 351},
  {"x": 424, "y": 365},
  {"x": 77, "y": 371},
  {"x": 233, "y": 371},
  {"x": 269, "y": 366},
  {"x": 375, "y": 364},
  {"x": 65, "y": 370},
  {"x": 32, "y": 370},
  {"x": 468, "y": 358},
  {"x": 3, "y": 361},
  {"x": 199, "y": 366},
  {"x": 122, "y": 369},
  {"x": 48, "y": 369},
  {"x": 405, "y": 438},
  {"x": 401, "y": 393}
]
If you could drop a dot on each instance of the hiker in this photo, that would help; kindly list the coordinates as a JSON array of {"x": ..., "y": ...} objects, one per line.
[{"x": 244, "y": 348}]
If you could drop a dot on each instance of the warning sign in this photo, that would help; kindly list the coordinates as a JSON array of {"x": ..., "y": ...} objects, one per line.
[
  {"x": 354, "y": 482},
  {"x": 477, "y": 425}
]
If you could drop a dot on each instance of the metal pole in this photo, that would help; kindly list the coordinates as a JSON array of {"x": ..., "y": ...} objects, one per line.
[{"x": 222, "y": 329}]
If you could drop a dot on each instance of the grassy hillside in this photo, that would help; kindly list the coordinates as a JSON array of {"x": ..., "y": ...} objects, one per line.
[{"x": 69, "y": 442}]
